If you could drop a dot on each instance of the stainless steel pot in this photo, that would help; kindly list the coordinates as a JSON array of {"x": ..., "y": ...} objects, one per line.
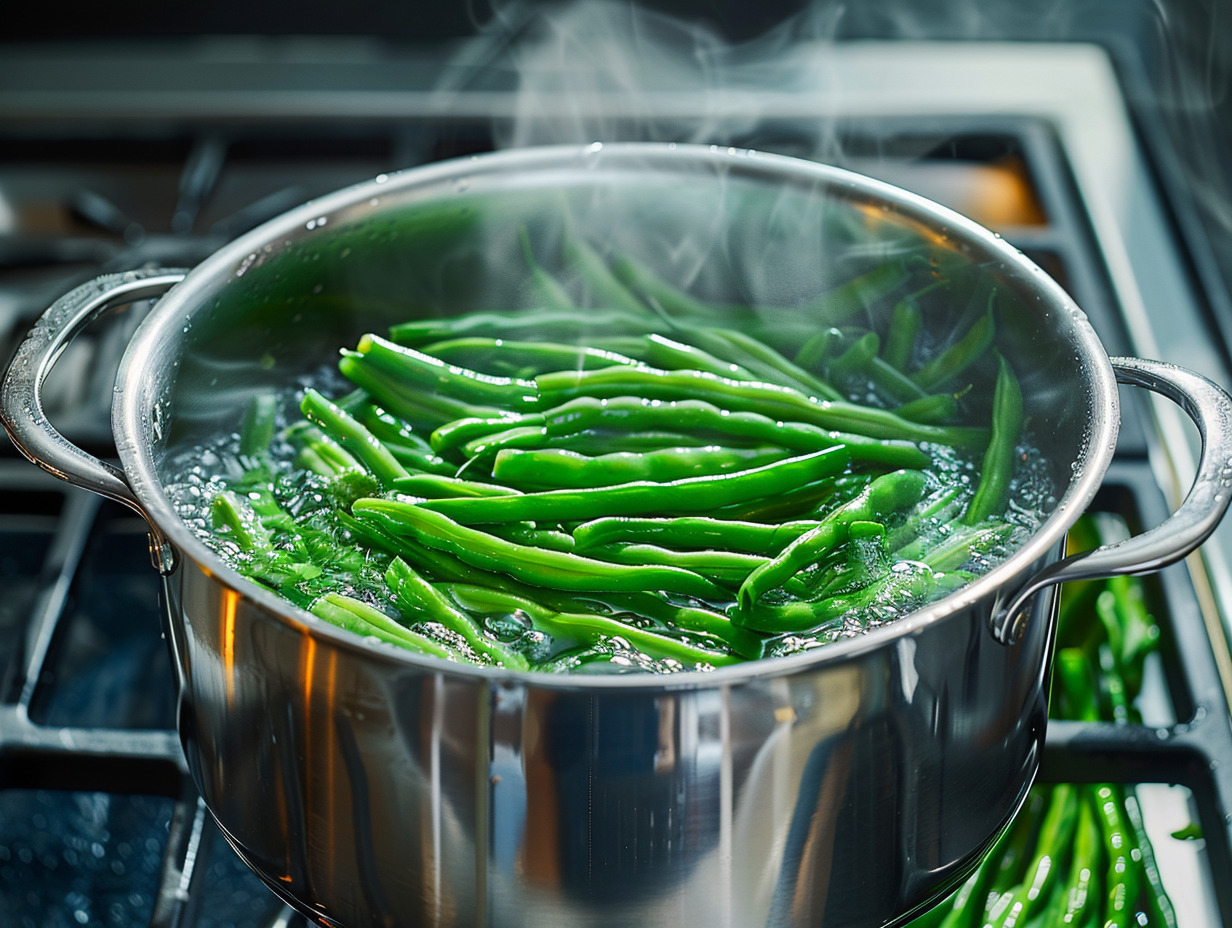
[{"x": 370, "y": 787}]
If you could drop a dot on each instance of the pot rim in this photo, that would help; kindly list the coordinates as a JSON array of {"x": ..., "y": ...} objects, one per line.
[{"x": 135, "y": 394}]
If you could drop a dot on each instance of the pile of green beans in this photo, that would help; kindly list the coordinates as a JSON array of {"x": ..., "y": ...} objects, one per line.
[
  {"x": 654, "y": 482},
  {"x": 1077, "y": 853}
]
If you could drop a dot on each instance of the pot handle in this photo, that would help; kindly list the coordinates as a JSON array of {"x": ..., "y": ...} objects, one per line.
[
  {"x": 21, "y": 407},
  {"x": 1210, "y": 408}
]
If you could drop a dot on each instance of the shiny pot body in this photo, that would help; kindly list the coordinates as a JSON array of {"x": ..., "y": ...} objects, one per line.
[
  {"x": 844, "y": 786},
  {"x": 375, "y": 792}
]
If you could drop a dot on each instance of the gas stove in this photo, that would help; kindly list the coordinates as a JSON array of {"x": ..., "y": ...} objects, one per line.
[{"x": 119, "y": 159}]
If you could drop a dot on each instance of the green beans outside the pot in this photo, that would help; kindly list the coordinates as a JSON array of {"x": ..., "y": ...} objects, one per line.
[
  {"x": 352, "y": 435},
  {"x": 362, "y": 619},
  {"x": 549, "y": 468},
  {"x": 1002, "y": 452},
  {"x": 560, "y": 570},
  {"x": 691, "y": 532},
  {"x": 688, "y": 495},
  {"x": 534, "y": 537},
  {"x": 884, "y": 496},
  {"x": 1056, "y": 833},
  {"x": 586, "y": 627},
  {"x": 418, "y": 597}
]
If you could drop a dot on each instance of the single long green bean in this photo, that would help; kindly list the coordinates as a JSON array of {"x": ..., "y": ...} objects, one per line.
[
  {"x": 884, "y": 496},
  {"x": 556, "y": 467},
  {"x": 352, "y": 435},
  {"x": 688, "y": 495},
  {"x": 587, "y": 627},
  {"x": 768, "y": 399},
  {"x": 549, "y": 291},
  {"x": 961, "y": 355},
  {"x": 417, "y": 596},
  {"x": 358, "y": 617},
  {"x": 692, "y": 531},
  {"x": 578, "y": 325},
  {"x": 1002, "y": 451}
]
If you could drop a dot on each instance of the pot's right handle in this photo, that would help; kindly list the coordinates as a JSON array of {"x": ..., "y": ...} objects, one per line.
[
  {"x": 1210, "y": 408},
  {"x": 21, "y": 406}
]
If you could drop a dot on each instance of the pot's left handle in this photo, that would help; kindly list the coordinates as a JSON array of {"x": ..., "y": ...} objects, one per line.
[
  {"x": 21, "y": 407},
  {"x": 1210, "y": 408}
]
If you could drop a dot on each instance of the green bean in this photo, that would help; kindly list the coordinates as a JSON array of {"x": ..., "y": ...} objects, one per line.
[
  {"x": 628, "y": 413},
  {"x": 548, "y": 290},
  {"x": 404, "y": 400},
  {"x": 257, "y": 426},
  {"x": 1077, "y": 897},
  {"x": 856, "y": 358},
  {"x": 586, "y": 627},
  {"x": 932, "y": 409},
  {"x": 534, "y": 537},
  {"x": 320, "y": 453},
  {"x": 761, "y": 360},
  {"x": 898, "y": 590},
  {"x": 726, "y": 568},
  {"x": 557, "y": 467},
  {"x": 353, "y": 436},
  {"x": 360, "y": 618},
  {"x": 602, "y": 285},
  {"x": 420, "y": 525},
  {"x": 858, "y": 294},
  {"x": 1055, "y": 835},
  {"x": 236, "y": 517},
  {"x": 674, "y": 302},
  {"x": 438, "y": 486},
  {"x": 961, "y": 355},
  {"x": 417, "y": 596},
  {"x": 478, "y": 352},
  {"x": 884, "y": 496},
  {"x": 687, "y": 495},
  {"x": 768, "y": 399},
  {"x": 669, "y": 354},
  {"x": 906, "y": 320},
  {"x": 1002, "y": 452},
  {"x": 692, "y": 532},
  {"x": 416, "y": 369},
  {"x": 559, "y": 325},
  {"x": 934, "y": 512},
  {"x": 1157, "y": 898},
  {"x": 817, "y": 348}
]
